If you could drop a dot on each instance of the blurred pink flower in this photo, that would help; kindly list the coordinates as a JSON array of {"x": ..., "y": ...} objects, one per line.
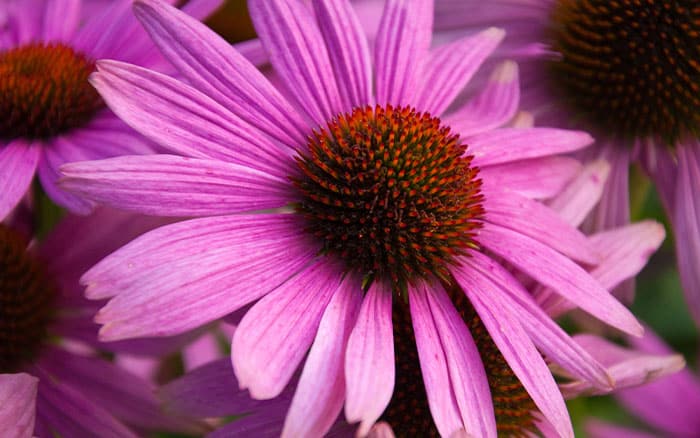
[
  {"x": 50, "y": 113},
  {"x": 628, "y": 72}
]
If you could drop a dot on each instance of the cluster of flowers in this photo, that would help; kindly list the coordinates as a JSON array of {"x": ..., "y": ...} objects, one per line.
[{"x": 365, "y": 222}]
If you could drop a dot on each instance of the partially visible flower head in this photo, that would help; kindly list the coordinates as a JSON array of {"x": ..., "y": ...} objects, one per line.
[
  {"x": 50, "y": 113},
  {"x": 631, "y": 69},
  {"x": 364, "y": 220},
  {"x": 627, "y": 71},
  {"x": 27, "y": 299},
  {"x": 45, "y": 91},
  {"x": 43, "y": 320}
]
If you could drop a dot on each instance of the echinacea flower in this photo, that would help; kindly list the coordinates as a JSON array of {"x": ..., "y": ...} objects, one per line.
[
  {"x": 669, "y": 405},
  {"x": 373, "y": 230},
  {"x": 53, "y": 382},
  {"x": 50, "y": 113},
  {"x": 629, "y": 73}
]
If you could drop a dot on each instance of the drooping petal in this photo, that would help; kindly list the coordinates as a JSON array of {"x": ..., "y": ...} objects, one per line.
[
  {"x": 401, "y": 45},
  {"x": 537, "y": 178},
  {"x": 536, "y": 221},
  {"x": 199, "y": 270},
  {"x": 298, "y": 53},
  {"x": 467, "y": 375},
  {"x": 436, "y": 378},
  {"x": 575, "y": 202},
  {"x": 484, "y": 273},
  {"x": 560, "y": 273},
  {"x": 686, "y": 223},
  {"x": 599, "y": 429},
  {"x": 522, "y": 356},
  {"x": 369, "y": 360},
  {"x": 277, "y": 331},
  {"x": 214, "y": 67},
  {"x": 168, "y": 185},
  {"x": 614, "y": 208},
  {"x": 627, "y": 367},
  {"x": 59, "y": 151},
  {"x": 511, "y": 144},
  {"x": 17, "y": 404},
  {"x": 18, "y": 161},
  {"x": 208, "y": 391},
  {"x": 624, "y": 252},
  {"x": 348, "y": 50},
  {"x": 126, "y": 396},
  {"x": 184, "y": 120},
  {"x": 321, "y": 389},
  {"x": 450, "y": 67},
  {"x": 494, "y": 105},
  {"x": 64, "y": 411}
]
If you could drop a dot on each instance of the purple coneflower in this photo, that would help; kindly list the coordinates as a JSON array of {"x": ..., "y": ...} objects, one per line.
[
  {"x": 52, "y": 381},
  {"x": 50, "y": 113},
  {"x": 629, "y": 73},
  {"x": 369, "y": 229},
  {"x": 669, "y": 405}
]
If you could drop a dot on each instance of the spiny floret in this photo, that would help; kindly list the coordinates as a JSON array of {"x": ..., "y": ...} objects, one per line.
[
  {"x": 26, "y": 298},
  {"x": 391, "y": 192},
  {"x": 630, "y": 67},
  {"x": 44, "y": 91}
]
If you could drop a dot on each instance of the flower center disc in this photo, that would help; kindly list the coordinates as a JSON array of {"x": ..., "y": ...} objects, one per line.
[
  {"x": 630, "y": 67},
  {"x": 25, "y": 303},
  {"x": 391, "y": 192},
  {"x": 44, "y": 91}
]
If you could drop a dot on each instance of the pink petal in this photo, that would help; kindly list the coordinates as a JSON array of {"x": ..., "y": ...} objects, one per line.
[
  {"x": 298, "y": 53},
  {"x": 61, "y": 150},
  {"x": 277, "y": 331},
  {"x": 17, "y": 404},
  {"x": 184, "y": 120},
  {"x": 614, "y": 207},
  {"x": 369, "y": 360},
  {"x": 686, "y": 225},
  {"x": 484, "y": 273},
  {"x": 124, "y": 395},
  {"x": 381, "y": 430},
  {"x": 538, "y": 222},
  {"x": 510, "y": 144},
  {"x": 436, "y": 378},
  {"x": 65, "y": 411},
  {"x": 467, "y": 375},
  {"x": 321, "y": 389},
  {"x": 168, "y": 185},
  {"x": 521, "y": 355},
  {"x": 348, "y": 51},
  {"x": 217, "y": 69},
  {"x": 61, "y": 19},
  {"x": 627, "y": 368},
  {"x": 599, "y": 429},
  {"x": 18, "y": 161},
  {"x": 200, "y": 270},
  {"x": 577, "y": 200},
  {"x": 401, "y": 45},
  {"x": 538, "y": 178},
  {"x": 450, "y": 67},
  {"x": 625, "y": 251},
  {"x": 493, "y": 106},
  {"x": 558, "y": 272},
  {"x": 207, "y": 391}
]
